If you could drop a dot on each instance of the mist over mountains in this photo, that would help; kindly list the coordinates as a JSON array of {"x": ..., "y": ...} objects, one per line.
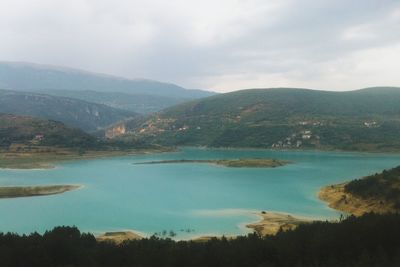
[{"x": 140, "y": 95}]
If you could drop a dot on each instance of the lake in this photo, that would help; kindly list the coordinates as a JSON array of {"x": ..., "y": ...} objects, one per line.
[{"x": 191, "y": 199}]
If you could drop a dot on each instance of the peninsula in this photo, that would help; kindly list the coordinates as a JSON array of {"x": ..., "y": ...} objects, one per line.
[
  {"x": 31, "y": 191},
  {"x": 378, "y": 193}
]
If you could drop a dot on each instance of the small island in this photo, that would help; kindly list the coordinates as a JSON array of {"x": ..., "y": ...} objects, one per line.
[
  {"x": 31, "y": 191},
  {"x": 234, "y": 163}
]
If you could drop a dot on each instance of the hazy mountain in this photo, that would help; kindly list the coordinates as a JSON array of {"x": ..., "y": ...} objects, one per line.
[
  {"x": 28, "y": 77},
  {"x": 367, "y": 119},
  {"x": 140, "y": 103},
  {"x": 73, "y": 112}
]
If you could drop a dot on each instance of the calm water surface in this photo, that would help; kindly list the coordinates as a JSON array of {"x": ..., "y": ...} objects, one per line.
[{"x": 208, "y": 199}]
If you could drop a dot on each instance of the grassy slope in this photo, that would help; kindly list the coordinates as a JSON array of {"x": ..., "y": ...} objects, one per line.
[{"x": 262, "y": 117}]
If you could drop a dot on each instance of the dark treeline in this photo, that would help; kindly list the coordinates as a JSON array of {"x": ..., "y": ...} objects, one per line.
[
  {"x": 370, "y": 240},
  {"x": 384, "y": 186}
]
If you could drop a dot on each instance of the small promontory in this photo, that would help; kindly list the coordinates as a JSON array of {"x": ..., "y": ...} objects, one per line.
[{"x": 378, "y": 193}]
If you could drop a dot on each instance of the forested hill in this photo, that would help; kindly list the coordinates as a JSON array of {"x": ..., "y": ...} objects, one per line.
[
  {"x": 27, "y": 131},
  {"x": 279, "y": 103},
  {"x": 367, "y": 119},
  {"x": 73, "y": 112},
  {"x": 381, "y": 187}
]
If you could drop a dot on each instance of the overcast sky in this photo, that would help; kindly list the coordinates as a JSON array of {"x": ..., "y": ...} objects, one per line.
[{"x": 221, "y": 45}]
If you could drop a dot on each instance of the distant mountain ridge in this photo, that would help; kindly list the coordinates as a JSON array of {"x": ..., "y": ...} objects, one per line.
[
  {"x": 140, "y": 103},
  {"x": 282, "y": 118},
  {"x": 73, "y": 112},
  {"x": 30, "y": 77}
]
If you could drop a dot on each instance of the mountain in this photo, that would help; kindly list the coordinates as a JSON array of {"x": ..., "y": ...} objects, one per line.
[
  {"x": 367, "y": 119},
  {"x": 73, "y": 112},
  {"x": 153, "y": 95},
  {"x": 140, "y": 103},
  {"x": 26, "y": 130}
]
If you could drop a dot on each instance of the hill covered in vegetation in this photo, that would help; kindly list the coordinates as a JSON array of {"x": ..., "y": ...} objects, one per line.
[
  {"x": 73, "y": 112},
  {"x": 379, "y": 193},
  {"x": 27, "y": 142},
  {"x": 370, "y": 240},
  {"x": 384, "y": 186},
  {"x": 28, "y": 131},
  {"x": 281, "y": 118}
]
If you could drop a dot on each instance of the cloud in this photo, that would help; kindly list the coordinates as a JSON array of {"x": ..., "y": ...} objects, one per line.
[{"x": 221, "y": 45}]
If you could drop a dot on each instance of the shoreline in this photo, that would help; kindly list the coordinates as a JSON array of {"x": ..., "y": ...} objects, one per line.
[
  {"x": 11, "y": 160},
  {"x": 336, "y": 198},
  {"x": 272, "y": 222},
  {"x": 388, "y": 152},
  {"x": 268, "y": 223},
  {"x": 48, "y": 160}
]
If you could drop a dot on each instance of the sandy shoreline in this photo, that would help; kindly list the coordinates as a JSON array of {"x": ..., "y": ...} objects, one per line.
[
  {"x": 119, "y": 236},
  {"x": 269, "y": 223},
  {"x": 338, "y": 199},
  {"x": 272, "y": 222}
]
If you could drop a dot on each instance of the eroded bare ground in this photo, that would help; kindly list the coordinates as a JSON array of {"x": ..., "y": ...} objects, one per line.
[{"x": 338, "y": 199}]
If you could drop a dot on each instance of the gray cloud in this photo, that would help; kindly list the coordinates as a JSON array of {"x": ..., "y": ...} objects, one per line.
[{"x": 221, "y": 45}]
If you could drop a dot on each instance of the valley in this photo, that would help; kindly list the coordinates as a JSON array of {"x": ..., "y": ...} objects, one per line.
[
  {"x": 199, "y": 133},
  {"x": 284, "y": 151}
]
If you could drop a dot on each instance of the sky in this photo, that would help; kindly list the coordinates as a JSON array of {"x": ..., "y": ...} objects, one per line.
[{"x": 219, "y": 45}]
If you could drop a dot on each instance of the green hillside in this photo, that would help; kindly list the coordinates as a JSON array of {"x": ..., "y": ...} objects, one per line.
[
  {"x": 28, "y": 131},
  {"x": 27, "y": 142},
  {"x": 282, "y": 118},
  {"x": 73, "y": 112}
]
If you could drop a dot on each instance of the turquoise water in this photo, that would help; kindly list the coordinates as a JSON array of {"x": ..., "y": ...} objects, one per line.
[{"x": 209, "y": 199}]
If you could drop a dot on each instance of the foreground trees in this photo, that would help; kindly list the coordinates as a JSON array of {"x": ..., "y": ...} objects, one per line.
[{"x": 370, "y": 240}]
